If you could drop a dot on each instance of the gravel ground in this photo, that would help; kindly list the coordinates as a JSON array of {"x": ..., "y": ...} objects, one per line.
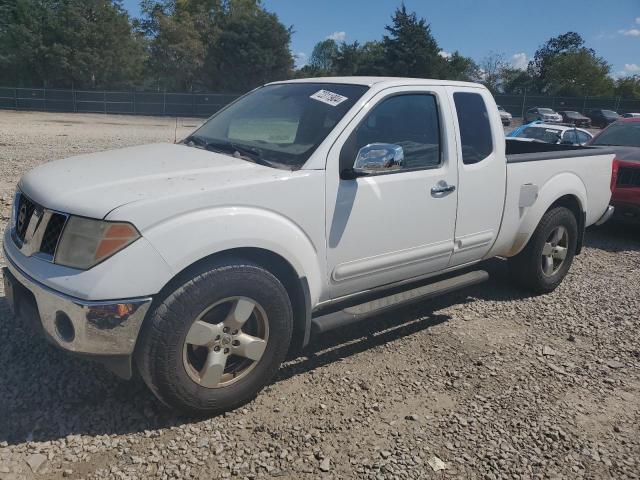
[{"x": 484, "y": 383}]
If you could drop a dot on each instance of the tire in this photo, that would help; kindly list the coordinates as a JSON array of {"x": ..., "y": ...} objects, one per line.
[
  {"x": 174, "y": 364},
  {"x": 529, "y": 269}
]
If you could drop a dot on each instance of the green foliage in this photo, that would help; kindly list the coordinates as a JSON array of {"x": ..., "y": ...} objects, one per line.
[
  {"x": 236, "y": 45},
  {"x": 323, "y": 56},
  {"x": 410, "y": 48},
  {"x": 516, "y": 82},
  {"x": 232, "y": 45},
  {"x": 177, "y": 52},
  {"x": 65, "y": 43},
  {"x": 462, "y": 68},
  {"x": 564, "y": 66},
  {"x": 628, "y": 87},
  {"x": 251, "y": 48}
]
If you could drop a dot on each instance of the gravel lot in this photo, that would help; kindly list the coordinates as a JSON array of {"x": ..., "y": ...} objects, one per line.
[{"x": 487, "y": 382}]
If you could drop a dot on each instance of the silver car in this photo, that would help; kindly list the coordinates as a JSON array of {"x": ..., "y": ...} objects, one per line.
[
  {"x": 547, "y": 115},
  {"x": 505, "y": 116}
]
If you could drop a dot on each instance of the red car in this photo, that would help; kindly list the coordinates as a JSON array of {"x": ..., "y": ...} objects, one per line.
[{"x": 624, "y": 136}]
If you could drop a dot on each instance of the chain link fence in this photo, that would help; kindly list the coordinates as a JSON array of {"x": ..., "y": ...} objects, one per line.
[
  {"x": 518, "y": 104},
  {"x": 133, "y": 103},
  {"x": 206, "y": 104}
]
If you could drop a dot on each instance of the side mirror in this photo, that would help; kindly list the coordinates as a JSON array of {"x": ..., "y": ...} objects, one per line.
[{"x": 375, "y": 158}]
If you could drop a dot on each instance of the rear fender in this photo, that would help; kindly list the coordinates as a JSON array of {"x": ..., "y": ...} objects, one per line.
[{"x": 561, "y": 185}]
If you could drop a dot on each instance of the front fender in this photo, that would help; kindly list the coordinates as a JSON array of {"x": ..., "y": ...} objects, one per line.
[
  {"x": 185, "y": 239},
  {"x": 560, "y": 185}
]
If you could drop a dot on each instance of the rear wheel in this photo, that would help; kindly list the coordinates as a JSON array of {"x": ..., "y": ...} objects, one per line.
[
  {"x": 544, "y": 262},
  {"x": 214, "y": 342}
]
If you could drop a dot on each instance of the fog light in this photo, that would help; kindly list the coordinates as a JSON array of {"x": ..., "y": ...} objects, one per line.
[{"x": 64, "y": 327}]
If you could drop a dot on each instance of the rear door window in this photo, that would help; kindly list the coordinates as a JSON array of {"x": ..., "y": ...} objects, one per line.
[{"x": 475, "y": 127}]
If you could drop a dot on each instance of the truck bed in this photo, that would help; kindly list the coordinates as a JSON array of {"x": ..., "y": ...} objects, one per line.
[
  {"x": 519, "y": 151},
  {"x": 534, "y": 176}
]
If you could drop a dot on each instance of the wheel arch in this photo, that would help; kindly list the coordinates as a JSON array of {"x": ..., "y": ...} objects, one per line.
[
  {"x": 572, "y": 202},
  {"x": 297, "y": 286},
  {"x": 566, "y": 190}
]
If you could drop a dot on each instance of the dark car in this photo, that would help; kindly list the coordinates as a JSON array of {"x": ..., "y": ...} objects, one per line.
[
  {"x": 601, "y": 118},
  {"x": 575, "y": 118},
  {"x": 624, "y": 137}
]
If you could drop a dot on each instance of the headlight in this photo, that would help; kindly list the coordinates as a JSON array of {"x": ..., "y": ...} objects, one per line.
[{"x": 86, "y": 242}]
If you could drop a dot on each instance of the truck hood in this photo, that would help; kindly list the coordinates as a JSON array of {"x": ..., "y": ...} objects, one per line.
[{"x": 92, "y": 185}]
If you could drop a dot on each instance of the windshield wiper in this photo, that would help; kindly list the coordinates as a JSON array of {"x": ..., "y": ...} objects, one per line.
[
  {"x": 249, "y": 154},
  {"x": 245, "y": 153}
]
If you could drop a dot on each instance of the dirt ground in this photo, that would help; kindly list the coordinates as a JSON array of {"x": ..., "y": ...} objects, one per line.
[{"x": 488, "y": 382}]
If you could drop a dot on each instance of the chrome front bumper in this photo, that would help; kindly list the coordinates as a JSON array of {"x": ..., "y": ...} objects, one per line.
[{"x": 87, "y": 327}]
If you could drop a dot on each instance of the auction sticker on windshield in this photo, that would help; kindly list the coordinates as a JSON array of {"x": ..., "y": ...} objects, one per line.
[{"x": 330, "y": 98}]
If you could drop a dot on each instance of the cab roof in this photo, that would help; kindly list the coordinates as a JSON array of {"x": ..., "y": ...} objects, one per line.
[{"x": 384, "y": 81}]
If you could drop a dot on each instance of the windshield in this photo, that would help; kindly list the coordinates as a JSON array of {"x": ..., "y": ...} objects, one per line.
[
  {"x": 625, "y": 134},
  {"x": 547, "y": 135},
  {"x": 572, "y": 114},
  {"x": 609, "y": 113},
  {"x": 278, "y": 125},
  {"x": 545, "y": 110}
]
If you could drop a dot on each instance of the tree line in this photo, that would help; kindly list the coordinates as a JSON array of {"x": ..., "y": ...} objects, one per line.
[{"x": 236, "y": 45}]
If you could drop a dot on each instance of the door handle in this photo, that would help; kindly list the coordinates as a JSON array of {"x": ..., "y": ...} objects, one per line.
[{"x": 442, "y": 188}]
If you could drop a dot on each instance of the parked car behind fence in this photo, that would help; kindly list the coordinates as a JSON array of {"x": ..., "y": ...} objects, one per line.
[
  {"x": 505, "y": 116},
  {"x": 575, "y": 118},
  {"x": 601, "y": 117},
  {"x": 542, "y": 114},
  {"x": 551, "y": 133}
]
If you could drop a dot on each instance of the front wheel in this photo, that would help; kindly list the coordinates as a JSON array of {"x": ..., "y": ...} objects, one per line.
[
  {"x": 544, "y": 262},
  {"x": 214, "y": 342}
]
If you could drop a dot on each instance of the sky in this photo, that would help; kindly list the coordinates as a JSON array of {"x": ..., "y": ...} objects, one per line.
[{"x": 473, "y": 27}]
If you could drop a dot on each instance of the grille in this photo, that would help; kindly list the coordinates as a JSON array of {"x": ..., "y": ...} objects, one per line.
[
  {"x": 23, "y": 214},
  {"x": 628, "y": 177},
  {"x": 52, "y": 233},
  {"x": 47, "y": 232}
]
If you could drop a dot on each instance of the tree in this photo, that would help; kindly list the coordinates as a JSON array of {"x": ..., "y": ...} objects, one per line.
[
  {"x": 491, "y": 69},
  {"x": 65, "y": 43},
  {"x": 564, "y": 66},
  {"x": 462, "y": 68},
  {"x": 323, "y": 56},
  {"x": 226, "y": 45},
  {"x": 410, "y": 48},
  {"x": 177, "y": 44},
  {"x": 356, "y": 59},
  {"x": 578, "y": 74},
  {"x": 252, "y": 49},
  {"x": 628, "y": 87},
  {"x": 516, "y": 81}
]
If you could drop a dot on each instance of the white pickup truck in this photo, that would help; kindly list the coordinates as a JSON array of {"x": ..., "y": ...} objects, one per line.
[{"x": 303, "y": 206}]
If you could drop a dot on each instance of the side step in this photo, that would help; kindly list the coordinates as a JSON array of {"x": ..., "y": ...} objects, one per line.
[{"x": 356, "y": 313}]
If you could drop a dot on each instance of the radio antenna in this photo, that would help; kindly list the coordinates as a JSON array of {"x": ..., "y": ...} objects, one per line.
[{"x": 175, "y": 132}]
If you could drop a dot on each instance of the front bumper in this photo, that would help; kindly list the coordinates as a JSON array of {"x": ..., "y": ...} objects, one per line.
[{"x": 100, "y": 328}]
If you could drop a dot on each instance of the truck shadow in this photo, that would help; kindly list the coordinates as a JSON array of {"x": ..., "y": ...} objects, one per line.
[
  {"x": 614, "y": 237},
  {"x": 46, "y": 394}
]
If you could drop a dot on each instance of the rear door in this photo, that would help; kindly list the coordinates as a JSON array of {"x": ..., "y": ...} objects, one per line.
[
  {"x": 394, "y": 225},
  {"x": 482, "y": 172}
]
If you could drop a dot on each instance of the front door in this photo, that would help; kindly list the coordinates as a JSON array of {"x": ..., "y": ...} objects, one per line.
[{"x": 396, "y": 224}]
